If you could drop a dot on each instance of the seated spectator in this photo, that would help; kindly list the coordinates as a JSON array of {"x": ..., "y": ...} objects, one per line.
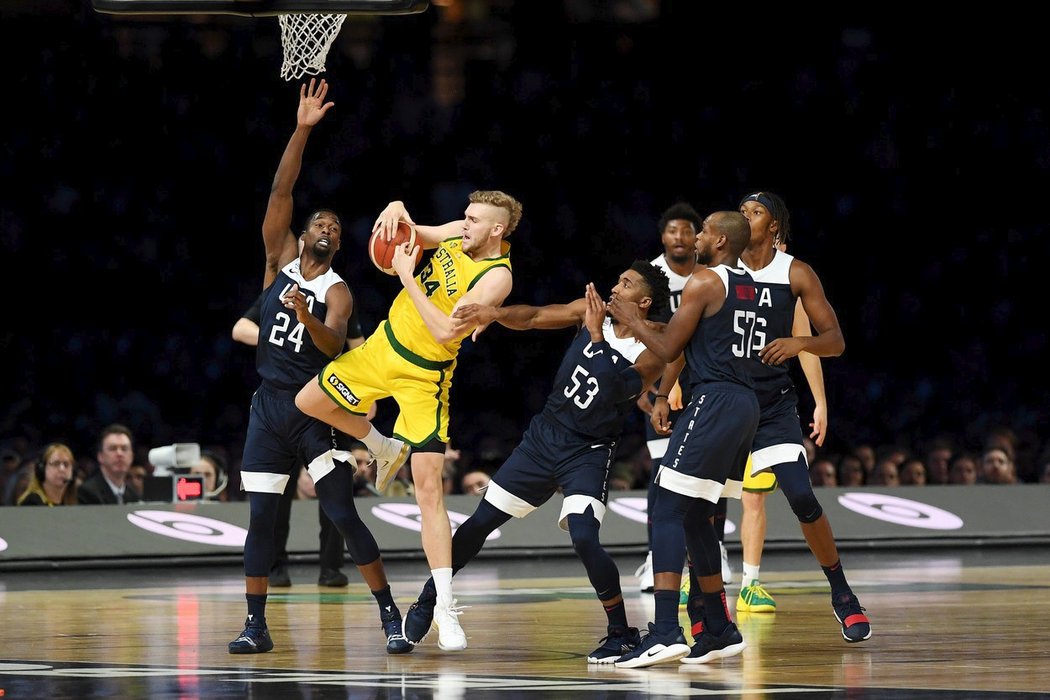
[
  {"x": 851, "y": 471},
  {"x": 913, "y": 473},
  {"x": 10, "y": 460},
  {"x": 938, "y": 457},
  {"x": 108, "y": 485},
  {"x": 51, "y": 481},
  {"x": 885, "y": 473},
  {"x": 137, "y": 474},
  {"x": 1004, "y": 438},
  {"x": 822, "y": 473},
  {"x": 997, "y": 467},
  {"x": 474, "y": 482},
  {"x": 212, "y": 467},
  {"x": 866, "y": 454},
  {"x": 963, "y": 469}
]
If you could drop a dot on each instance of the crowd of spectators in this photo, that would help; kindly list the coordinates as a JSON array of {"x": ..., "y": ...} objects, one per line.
[{"x": 141, "y": 156}]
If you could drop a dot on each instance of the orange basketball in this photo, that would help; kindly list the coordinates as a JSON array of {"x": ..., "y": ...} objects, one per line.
[{"x": 381, "y": 251}]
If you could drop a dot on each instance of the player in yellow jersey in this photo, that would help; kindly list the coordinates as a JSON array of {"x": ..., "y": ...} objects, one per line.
[{"x": 412, "y": 356}]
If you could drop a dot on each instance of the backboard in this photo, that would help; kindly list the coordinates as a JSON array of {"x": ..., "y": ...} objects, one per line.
[{"x": 259, "y": 8}]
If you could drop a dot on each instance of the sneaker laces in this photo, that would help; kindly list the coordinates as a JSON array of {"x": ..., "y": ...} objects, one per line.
[
  {"x": 455, "y": 609},
  {"x": 757, "y": 589}
]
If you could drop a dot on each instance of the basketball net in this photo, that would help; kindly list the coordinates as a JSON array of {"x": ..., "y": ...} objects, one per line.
[{"x": 306, "y": 39}]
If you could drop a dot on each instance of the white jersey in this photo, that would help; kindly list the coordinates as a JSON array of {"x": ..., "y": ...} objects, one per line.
[{"x": 658, "y": 444}]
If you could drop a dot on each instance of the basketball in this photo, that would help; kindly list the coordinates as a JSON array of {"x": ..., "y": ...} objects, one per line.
[{"x": 381, "y": 251}]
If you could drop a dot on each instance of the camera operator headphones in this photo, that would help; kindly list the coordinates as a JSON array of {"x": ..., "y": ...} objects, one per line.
[{"x": 221, "y": 478}]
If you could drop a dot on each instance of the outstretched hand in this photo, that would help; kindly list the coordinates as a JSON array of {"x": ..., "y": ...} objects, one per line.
[
  {"x": 311, "y": 102},
  {"x": 594, "y": 318},
  {"x": 474, "y": 315}
]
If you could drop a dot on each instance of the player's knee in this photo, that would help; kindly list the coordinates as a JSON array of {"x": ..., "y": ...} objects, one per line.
[
  {"x": 583, "y": 531},
  {"x": 805, "y": 507}
]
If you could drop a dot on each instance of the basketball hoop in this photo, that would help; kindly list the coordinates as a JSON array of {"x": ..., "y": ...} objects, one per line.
[
  {"x": 308, "y": 27},
  {"x": 306, "y": 40}
]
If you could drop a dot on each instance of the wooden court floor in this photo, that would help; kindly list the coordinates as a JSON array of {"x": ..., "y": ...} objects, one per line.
[{"x": 947, "y": 623}]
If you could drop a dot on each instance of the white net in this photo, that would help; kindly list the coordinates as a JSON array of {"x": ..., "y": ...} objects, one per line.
[{"x": 306, "y": 39}]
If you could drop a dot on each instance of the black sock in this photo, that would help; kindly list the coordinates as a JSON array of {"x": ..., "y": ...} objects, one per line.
[
  {"x": 387, "y": 608},
  {"x": 256, "y": 608},
  {"x": 837, "y": 579},
  {"x": 617, "y": 615}
]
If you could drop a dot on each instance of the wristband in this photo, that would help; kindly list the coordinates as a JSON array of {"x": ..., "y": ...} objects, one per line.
[{"x": 661, "y": 396}]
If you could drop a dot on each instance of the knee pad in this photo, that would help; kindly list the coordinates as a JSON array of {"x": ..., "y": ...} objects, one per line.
[
  {"x": 806, "y": 507},
  {"x": 583, "y": 531}
]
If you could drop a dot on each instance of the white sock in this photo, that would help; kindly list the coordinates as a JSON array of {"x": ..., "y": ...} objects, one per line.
[
  {"x": 442, "y": 583},
  {"x": 375, "y": 441},
  {"x": 750, "y": 574}
]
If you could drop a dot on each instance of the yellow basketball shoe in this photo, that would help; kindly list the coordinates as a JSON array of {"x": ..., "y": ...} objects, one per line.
[{"x": 756, "y": 599}]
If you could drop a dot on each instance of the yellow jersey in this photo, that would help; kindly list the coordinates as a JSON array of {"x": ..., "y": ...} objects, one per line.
[{"x": 448, "y": 275}]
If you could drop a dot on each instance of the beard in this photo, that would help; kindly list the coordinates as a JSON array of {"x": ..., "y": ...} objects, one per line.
[{"x": 321, "y": 252}]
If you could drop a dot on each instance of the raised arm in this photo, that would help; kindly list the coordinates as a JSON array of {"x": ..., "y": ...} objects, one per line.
[{"x": 280, "y": 243}]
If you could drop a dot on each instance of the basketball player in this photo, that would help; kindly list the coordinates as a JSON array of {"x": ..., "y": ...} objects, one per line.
[
  {"x": 753, "y": 595},
  {"x": 782, "y": 282},
  {"x": 302, "y": 326},
  {"x": 678, "y": 227},
  {"x": 332, "y": 546},
  {"x": 569, "y": 446},
  {"x": 714, "y": 326},
  {"x": 412, "y": 356}
]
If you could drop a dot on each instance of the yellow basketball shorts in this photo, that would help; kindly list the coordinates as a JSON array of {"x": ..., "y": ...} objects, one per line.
[
  {"x": 381, "y": 367},
  {"x": 763, "y": 482}
]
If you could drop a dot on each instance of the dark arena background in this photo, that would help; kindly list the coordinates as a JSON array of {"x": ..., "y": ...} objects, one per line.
[{"x": 913, "y": 152}]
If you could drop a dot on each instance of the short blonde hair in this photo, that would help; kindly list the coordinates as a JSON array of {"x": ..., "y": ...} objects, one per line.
[{"x": 503, "y": 201}]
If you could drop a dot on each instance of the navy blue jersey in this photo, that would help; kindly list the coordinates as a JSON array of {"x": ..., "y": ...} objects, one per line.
[
  {"x": 723, "y": 344},
  {"x": 286, "y": 356},
  {"x": 776, "y": 308},
  {"x": 582, "y": 399},
  {"x": 353, "y": 325}
]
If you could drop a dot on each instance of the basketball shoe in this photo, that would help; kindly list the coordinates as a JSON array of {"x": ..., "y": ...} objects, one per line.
[
  {"x": 446, "y": 618},
  {"x": 619, "y": 641},
  {"x": 418, "y": 619},
  {"x": 255, "y": 639},
  {"x": 655, "y": 649},
  {"x": 855, "y": 624},
  {"x": 710, "y": 647},
  {"x": 395, "y": 638},
  {"x": 756, "y": 599},
  {"x": 390, "y": 462}
]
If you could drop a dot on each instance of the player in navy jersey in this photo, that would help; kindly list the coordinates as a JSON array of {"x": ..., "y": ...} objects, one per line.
[
  {"x": 302, "y": 326},
  {"x": 782, "y": 282},
  {"x": 715, "y": 326},
  {"x": 569, "y": 445}
]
